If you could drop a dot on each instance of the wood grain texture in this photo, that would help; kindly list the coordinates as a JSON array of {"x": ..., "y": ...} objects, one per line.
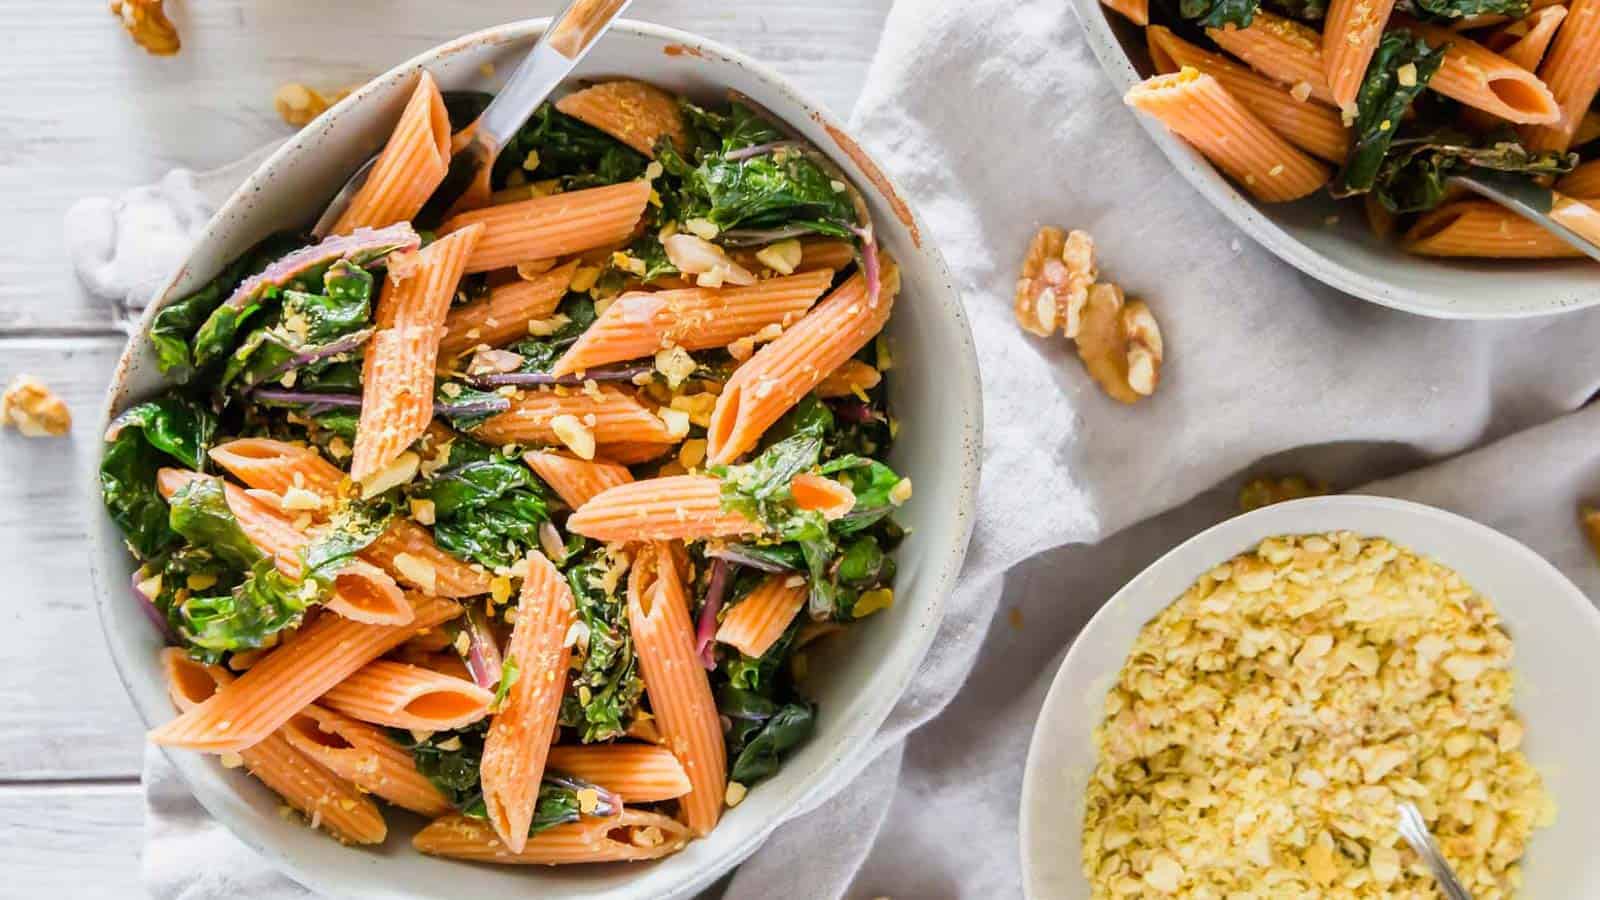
[{"x": 71, "y": 840}]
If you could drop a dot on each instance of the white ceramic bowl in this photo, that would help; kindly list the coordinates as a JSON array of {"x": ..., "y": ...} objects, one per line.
[
  {"x": 1554, "y": 628},
  {"x": 1346, "y": 255},
  {"x": 935, "y": 391}
]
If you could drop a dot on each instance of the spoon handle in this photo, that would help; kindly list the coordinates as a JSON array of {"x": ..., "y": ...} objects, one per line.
[
  {"x": 1571, "y": 220},
  {"x": 1416, "y": 833}
]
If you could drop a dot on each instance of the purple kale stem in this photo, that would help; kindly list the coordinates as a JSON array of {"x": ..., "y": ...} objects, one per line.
[
  {"x": 534, "y": 379},
  {"x": 364, "y": 246},
  {"x": 706, "y": 631}
]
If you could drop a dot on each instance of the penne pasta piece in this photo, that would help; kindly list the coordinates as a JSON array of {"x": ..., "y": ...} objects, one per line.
[
  {"x": 558, "y": 225},
  {"x": 410, "y": 168},
  {"x": 678, "y": 507},
  {"x": 617, "y": 418},
  {"x": 363, "y": 755},
  {"x": 575, "y": 481},
  {"x": 328, "y": 801},
  {"x": 755, "y": 623},
  {"x": 451, "y": 576},
  {"x": 778, "y": 375},
  {"x": 676, "y": 683},
  {"x": 639, "y": 773},
  {"x": 633, "y": 112},
  {"x": 815, "y": 253},
  {"x": 632, "y": 453},
  {"x": 1312, "y": 127},
  {"x": 519, "y": 735},
  {"x": 632, "y": 835},
  {"x": 322, "y": 654},
  {"x": 397, "y": 372},
  {"x": 1525, "y": 41},
  {"x": 1480, "y": 228},
  {"x": 398, "y": 695},
  {"x": 1485, "y": 80},
  {"x": 1197, "y": 108},
  {"x": 1135, "y": 11},
  {"x": 1583, "y": 182},
  {"x": 1350, "y": 35},
  {"x": 815, "y": 492},
  {"x": 361, "y": 591},
  {"x": 639, "y": 324},
  {"x": 1571, "y": 71},
  {"x": 1281, "y": 49},
  {"x": 277, "y": 466},
  {"x": 503, "y": 316}
]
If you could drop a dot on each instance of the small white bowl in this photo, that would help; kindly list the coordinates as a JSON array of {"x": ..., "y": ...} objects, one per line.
[
  {"x": 1346, "y": 254},
  {"x": 935, "y": 391},
  {"x": 1554, "y": 629}
]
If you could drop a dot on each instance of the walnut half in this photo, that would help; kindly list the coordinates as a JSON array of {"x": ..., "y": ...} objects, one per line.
[
  {"x": 1120, "y": 344},
  {"x": 1056, "y": 274},
  {"x": 34, "y": 409},
  {"x": 147, "y": 22}
]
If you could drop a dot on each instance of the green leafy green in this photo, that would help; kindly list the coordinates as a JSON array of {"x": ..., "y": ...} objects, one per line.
[
  {"x": 142, "y": 441},
  {"x": 539, "y": 354},
  {"x": 872, "y": 482},
  {"x": 308, "y": 334},
  {"x": 736, "y": 129},
  {"x": 352, "y": 528},
  {"x": 174, "y": 424},
  {"x": 450, "y": 760},
  {"x": 1452, "y": 10},
  {"x": 581, "y": 156},
  {"x": 250, "y": 615},
  {"x": 200, "y": 514},
  {"x": 782, "y": 188},
  {"x": 1218, "y": 13},
  {"x": 464, "y": 107},
  {"x": 1412, "y": 177},
  {"x": 1381, "y": 105},
  {"x": 603, "y": 691},
  {"x": 464, "y": 406},
  {"x": 508, "y": 677},
  {"x": 175, "y": 324},
  {"x": 343, "y": 306},
  {"x": 1304, "y": 10},
  {"x": 487, "y": 507},
  {"x": 759, "y": 674},
  {"x": 763, "y": 733}
]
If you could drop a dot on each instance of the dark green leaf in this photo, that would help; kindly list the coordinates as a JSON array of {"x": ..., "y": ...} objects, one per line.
[
  {"x": 174, "y": 326},
  {"x": 352, "y": 527},
  {"x": 1304, "y": 10},
  {"x": 604, "y": 689},
  {"x": 343, "y": 306},
  {"x": 579, "y": 155},
  {"x": 453, "y": 771},
  {"x": 200, "y": 514},
  {"x": 1218, "y": 13},
  {"x": 1412, "y": 178},
  {"x": 1381, "y": 106},
  {"x": 761, "y": 756},
  {"x": 487, "y": 508},
  {"x": 1453, "y": 10},
  {"x": 783, "y": 188},
  {"x": 248, "y": 617},
  {"x": 539, "y": 354},
  {"x": 142, "y": 439},
  {"x": 464, "y": 107}
]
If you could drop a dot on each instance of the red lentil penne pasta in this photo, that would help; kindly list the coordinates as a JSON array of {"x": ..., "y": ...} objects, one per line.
[
  {"x": 1197, "y": 108},
  {"x": 1281, "y": 49},
  {"x": 519, "y": 735},
  {"x": 398, "y": 695},
  {"x": 503, "y": 316},
  {"x": 1481, "y": 228},
  {"x": 632, "y": 453},
  {"x": 575, "y": 481},
  {"x": 277, "y": 466},
  {"x": 1571, "y": 70},
  {"x": 361, "y": 591},
  {"x": 632, "y": 835},
  {"x": 1135, "y": 11},
  {"x": 618, "y": 417},
  {"x": 825, "y": 495},
  {"x": 397, "y": 373},
  {"x": 678, "y": 507},
  {"x": 639, "y": 324},
  {"x": 450, "y": 576},
  {"x": 1312, "y": 127},
  {"x": 1525, "y": 41},
  {"x": 558, "y": 225},
  {"x": 633, "y": 112},
  {"x": 328, "y": 801},
  {"x": 778, "y": 375},
  {"x": 1485, "y": 80},
  {"x": 363, "y": 755},
  {"x": 639, "y": 773},
  {"x": 755, "y": 623},
  {"x": 1350, "y": 35},
  {"x": 410, "y": 167},
  {"x": 322, "y": 654},
  {"x": 1582, "y": 182},
  {"x": 676, "y": 683},
  {"x": 815, "y": 253}
]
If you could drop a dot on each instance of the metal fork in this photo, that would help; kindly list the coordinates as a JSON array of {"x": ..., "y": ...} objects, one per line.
[
  {"x": 1574, "y": 222},
  {"x": 1416, "y": 833}
]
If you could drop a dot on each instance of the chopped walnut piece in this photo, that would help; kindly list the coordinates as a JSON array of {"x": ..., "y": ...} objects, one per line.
[
  {"x": 147, "y": 22},
  {"x": 1267, "y": 491},
  {"x": 1120, "y": 344},
  {"x": 298, "y": 104},
  {"x": 1056, "y": 275},
  {"x": 34, "y": 409},
  {"x": 1590, "y": 517}
]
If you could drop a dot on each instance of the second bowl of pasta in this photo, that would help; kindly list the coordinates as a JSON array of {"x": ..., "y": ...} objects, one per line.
[{"x": 567, "y": 524}]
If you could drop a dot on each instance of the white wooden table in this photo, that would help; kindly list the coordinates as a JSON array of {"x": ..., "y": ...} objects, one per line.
[{"x": 83, "y": 111}]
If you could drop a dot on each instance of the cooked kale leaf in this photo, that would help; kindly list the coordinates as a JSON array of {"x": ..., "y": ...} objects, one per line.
[
  {"x": 603, "y": 691},
  {"x": 1304, "y": 10},
  {"x": 1412, "y": 177},
  {"x": 175, "y": 324},
  {"x": 762, "y": 732},
  {"x": 1217, "y": 13},
  {"x": 487, "y": 507},
  {"x": 565, "y": 148},
  {"x": 1381, "y": 106},
  {"x": 1452, "y": 10},
  {"x": 142, "y": 440}
]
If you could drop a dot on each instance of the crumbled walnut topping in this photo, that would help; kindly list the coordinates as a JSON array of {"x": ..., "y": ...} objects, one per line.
[
  {"x": 33, "y": 409},
  {"x": 147, "y": 22}
]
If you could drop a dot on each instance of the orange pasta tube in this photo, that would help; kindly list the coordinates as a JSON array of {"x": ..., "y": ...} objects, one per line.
[
  {"x": 1571, "y": 70},
  {"x": 404, "y": 696},
  {"x": 1197, "y": 108},
  {"x": 450, "y": 576},
  {"x": 519, "y": 735},
  {"x": 503, "y": 316},
  {"x": 632, "y": 835},
  {"x": 636, "y": 325},
  {"x": 397, "y": 373},
  {"x": 618, "y": 417},
  {"x": 1350, "y": 34},
  {"x": 1312, "y": 127},
  {"x": 815, "y": 253},
  {"x": 773, "y": 380},
  {"x": 633, "y": 112},
  {"x": 1135, "y": 11},
  {"x": 632, "y": 453},
  {"x": 639, "y": 773},
  {"x": 327, "y": 800},
  {"x": 1525, "y": 41},
  {"x": 575, "y": 481},
  {"x": 1281, "y": 49},
  {"x": 678, "y": 507},
  {"x": 284, "y": 682},
  {"x": 547, "y": 227},
  {"x": 1480, "y": 228},
  {"x": 410, "y": 167},
  {"x": 1485, "y": 80},
  {"x": 277, "y": 466},
  {"x": 363, "y": 755},
  {"x": 1582, "y": 182},
  {"x": 676, "y": 682},
  {"x": 361, "y": 592},
  {"x": 755, "y": 623}
]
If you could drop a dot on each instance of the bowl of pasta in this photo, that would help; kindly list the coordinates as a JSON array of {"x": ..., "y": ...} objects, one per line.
[
  {"x": 1329, "y": 131},
  {"x": 559, "y": 537}
]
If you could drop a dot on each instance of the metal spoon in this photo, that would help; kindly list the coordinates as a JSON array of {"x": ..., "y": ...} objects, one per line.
[
  {"x": 553, "y": 57},
  {"x": 1570, "y": 220},
  {"x": 1416, "y": 833}
]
